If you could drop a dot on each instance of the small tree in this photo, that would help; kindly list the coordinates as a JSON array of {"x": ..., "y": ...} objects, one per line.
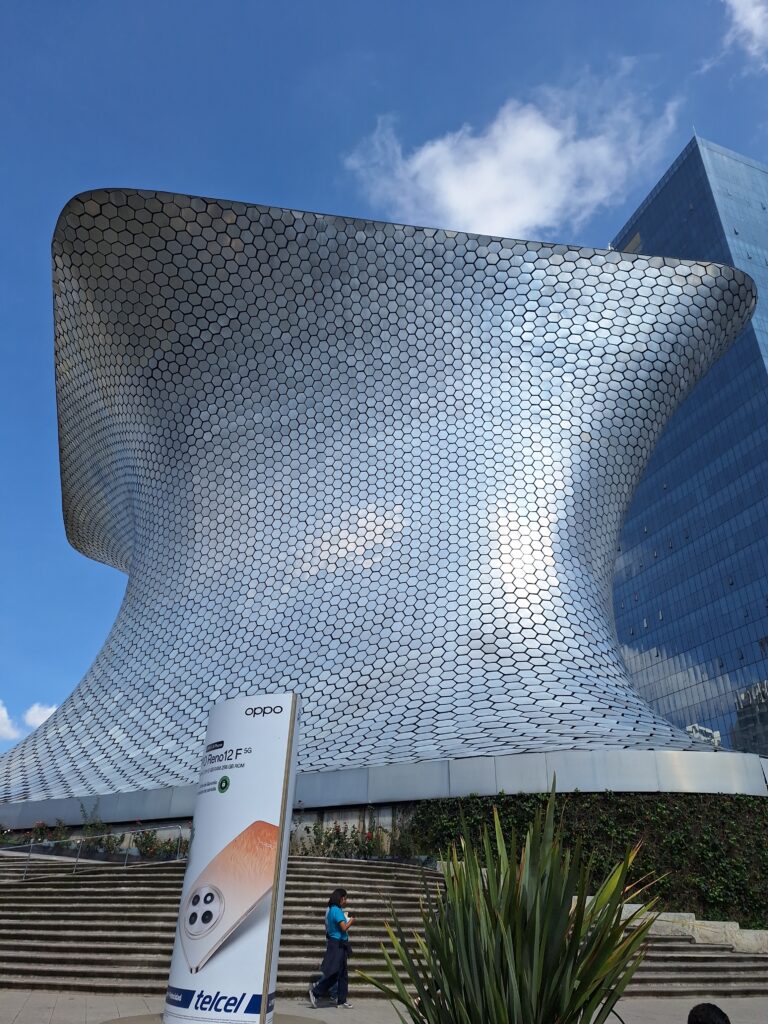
[{"x": 519, "y": 939}]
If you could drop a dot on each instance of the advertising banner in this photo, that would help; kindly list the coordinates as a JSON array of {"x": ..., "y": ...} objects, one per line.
[{"x": 224, "y": 966}]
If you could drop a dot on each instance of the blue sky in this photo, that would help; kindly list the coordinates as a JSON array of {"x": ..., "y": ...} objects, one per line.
[{"x": 547, "y": 120}]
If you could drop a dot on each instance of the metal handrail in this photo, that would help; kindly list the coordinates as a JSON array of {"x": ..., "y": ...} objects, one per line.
[{"x": 104, "y": 835}]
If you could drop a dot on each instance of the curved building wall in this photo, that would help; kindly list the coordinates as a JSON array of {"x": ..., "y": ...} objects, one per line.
[{"x": 380, "y": 465}]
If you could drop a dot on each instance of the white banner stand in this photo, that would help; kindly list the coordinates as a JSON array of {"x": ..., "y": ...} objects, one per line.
[{"x": 224, "y": 966}]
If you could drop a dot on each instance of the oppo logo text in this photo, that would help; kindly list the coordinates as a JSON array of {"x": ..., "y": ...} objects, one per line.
[{"x": 263, "y": 712}]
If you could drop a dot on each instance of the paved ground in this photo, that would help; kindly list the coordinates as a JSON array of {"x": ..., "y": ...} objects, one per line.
[{"x": 17, "y": 1007}]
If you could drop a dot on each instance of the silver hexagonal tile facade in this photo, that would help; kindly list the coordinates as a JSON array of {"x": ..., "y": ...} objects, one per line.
[{"x": 380, "y": 465}]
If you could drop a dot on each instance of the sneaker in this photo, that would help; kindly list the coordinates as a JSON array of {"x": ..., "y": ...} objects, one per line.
[
  {"x": 311, "y": 995},
  {"x": 344, "y": 1006}
]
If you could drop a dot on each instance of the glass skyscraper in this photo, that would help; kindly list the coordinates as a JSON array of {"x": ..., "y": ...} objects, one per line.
[{"x": 691, "y": 584}]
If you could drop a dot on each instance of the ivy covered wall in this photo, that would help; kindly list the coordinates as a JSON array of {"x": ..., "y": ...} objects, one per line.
[{"x": 711, "y": 850}]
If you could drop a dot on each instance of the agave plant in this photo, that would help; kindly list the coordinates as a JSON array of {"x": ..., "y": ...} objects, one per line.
[{"x": 528, "y": 939}]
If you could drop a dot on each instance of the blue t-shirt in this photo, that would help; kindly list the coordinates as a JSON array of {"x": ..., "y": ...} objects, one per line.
[{"x": 332, "y": 918}]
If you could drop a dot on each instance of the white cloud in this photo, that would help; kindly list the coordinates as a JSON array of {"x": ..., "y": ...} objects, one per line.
[
  {"x": 36, "y": 714},
  {"x": 749, "y": 29},
  {"x": 543, "y": 165},
  {"x": 8, "y": 728}
]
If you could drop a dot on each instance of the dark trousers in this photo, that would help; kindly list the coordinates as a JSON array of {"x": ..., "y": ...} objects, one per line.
[{"x": 339, "y": 977}]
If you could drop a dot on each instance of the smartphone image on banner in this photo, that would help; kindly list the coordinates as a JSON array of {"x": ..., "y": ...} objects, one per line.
[{"x": 227, "y": 891}]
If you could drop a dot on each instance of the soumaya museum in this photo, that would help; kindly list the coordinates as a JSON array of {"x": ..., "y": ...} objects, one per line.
[{"x": 496, "y": 510}]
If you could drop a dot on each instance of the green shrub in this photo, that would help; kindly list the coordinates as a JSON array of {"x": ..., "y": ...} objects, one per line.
[
  {"x": 166, "y": 848},
  {"x": 59, "y": 831},
  {"x": 93, "y": 826},
  {"x": 146, "y": 842},
  {"x": 150, "y": 845},
  {"x": 519, "y": 939},
  {"x": 111, "y": 843},
  {"x": 39, "y": 832},
  {"x": 709, "y": 850},
  {"x": 11, "y": 838},
  {"x": 344, "y": 841}
]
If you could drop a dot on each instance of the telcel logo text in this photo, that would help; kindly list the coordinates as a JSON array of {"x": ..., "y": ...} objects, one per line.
[
  {"x": 218, "y": 1003},
  {"x": 262, "y": 712}
]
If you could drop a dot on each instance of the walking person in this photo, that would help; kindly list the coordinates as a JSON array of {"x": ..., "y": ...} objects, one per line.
[{"x": 334, "y": 965}]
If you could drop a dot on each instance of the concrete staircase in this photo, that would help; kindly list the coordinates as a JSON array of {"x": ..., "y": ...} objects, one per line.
[
  {"x": 104, "y": 929},
  {"x": 111, "y": 929}
]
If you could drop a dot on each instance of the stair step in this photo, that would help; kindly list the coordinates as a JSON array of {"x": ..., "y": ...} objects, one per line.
[
  {"x": 292, "y": 903},
  {"x": 85, "y": 956},
  {"x": 703, "y": 955},
  {"x": 712, "y": 987},
  {"x": 357, "y": 989},
  {"x": 94, "y": 934},
  {"x": 108, "y": 970},
  {"x": 290, "y": 968},
  {"x": 77, "y": 898},
  {"x": 686, "y": 946},
  {"x": 91, "y": 943},
  {"x": 67, "y": 983},
  {"x": 90, "y": 922}
]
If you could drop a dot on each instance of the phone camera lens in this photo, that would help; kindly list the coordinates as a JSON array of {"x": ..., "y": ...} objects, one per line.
[
  {"x": 193, "y": 918},
  {"x": 195, "y": 900},
  {"x": 207, "y": 917},
  {"x": 208, "y": 898}
]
